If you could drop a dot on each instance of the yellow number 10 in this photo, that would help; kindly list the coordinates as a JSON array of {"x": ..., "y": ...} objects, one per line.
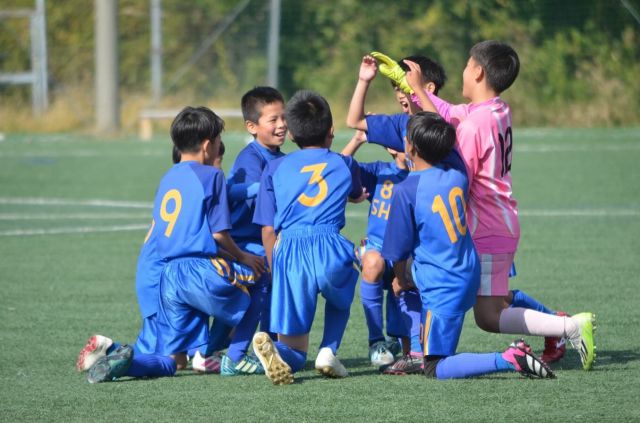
[
  {"x": 170, "y": 217},
  {"x": 316, "y": 178},
  {"x": 438, "y": 206}
]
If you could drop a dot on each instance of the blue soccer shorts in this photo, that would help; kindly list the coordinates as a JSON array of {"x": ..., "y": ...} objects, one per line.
[
  {"x": 148, "y": 336},
  {"x": 191, "y": 290},
  {"x": 440, "y": 333},
  {"x": 308, "y": 262}
]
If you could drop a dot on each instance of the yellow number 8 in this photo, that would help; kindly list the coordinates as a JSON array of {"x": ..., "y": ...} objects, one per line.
[
  {"x": 170, "y": 218},
  {"x": 316, "y": 178}
]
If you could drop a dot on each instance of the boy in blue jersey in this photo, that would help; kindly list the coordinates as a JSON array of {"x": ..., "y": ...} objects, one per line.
[
  {"x": 389, "y": 130},
  {"x": 427, "y": 223},
  {"x": 402, "y": 312},
  {"x": 148, "y": 271},
  {"x": 189, "y": 237},
  {"x": 301, "y": 208},
  {"x": 263, "y": 110}
]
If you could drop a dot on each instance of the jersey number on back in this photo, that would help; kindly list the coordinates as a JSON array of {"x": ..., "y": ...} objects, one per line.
[
  {"x": 505, "y": 150},
  {"x": 170, "y": 216},
  {"x": 315, "y": 179},
  {"x": 439, "y": 207}
]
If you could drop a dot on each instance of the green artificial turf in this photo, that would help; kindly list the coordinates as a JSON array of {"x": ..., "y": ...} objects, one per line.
[{"x": 73, "y": 214}]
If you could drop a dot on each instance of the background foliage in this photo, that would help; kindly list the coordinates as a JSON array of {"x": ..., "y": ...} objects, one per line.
[{"x": 580, "y": 58}]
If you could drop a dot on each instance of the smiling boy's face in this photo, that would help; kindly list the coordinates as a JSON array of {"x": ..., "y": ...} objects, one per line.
[
  {"x": 270, "y": 130},
  {"x": 402, "y": 100}
]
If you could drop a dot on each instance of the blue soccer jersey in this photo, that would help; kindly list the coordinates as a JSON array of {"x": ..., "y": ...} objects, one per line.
[
  {"x": 387, "y": 130},
  {"x": 190, "y": 206},
  {"x": 243, "y": 179},
  {"x": 303, "y": 196},
  {"x": 427, "y": 221},
  {"x": 380, "y": 178},
  {"x": 294, "y": 190}
]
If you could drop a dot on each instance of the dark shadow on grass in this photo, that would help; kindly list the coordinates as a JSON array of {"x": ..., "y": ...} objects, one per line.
[
  {"x": 355, "y": 366},
  {"x": 604, "y": 358}
]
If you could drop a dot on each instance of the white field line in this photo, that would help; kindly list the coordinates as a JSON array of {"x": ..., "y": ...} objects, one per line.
[
  {"x": 77, "y": 216},
  {"x": 100, "y": 203},
  {"x": 523, "y": 147},
  {"x": 68, "y": 202},
  {"x": 80, "y": 230}
]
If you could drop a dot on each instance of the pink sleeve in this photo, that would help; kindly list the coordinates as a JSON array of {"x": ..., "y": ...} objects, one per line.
[
  {"x": 452, "y": 113},
  {"x": 469, "y": 149}
]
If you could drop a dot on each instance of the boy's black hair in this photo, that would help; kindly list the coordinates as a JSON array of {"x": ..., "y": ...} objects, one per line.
[
  {"x": 499, "y": 61},
  {"x": 222, "y": 149},
  {"x": 176, "y": 156},
  {"x": 253, "y": 101},
  {"x": 192, "y": 126},
  {"x": 431, "y": 136},
  {"x": 432, "y": 71},
  {"x": 309, "y": 119}
]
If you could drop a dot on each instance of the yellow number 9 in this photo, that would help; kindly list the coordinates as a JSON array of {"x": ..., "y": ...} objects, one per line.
[
  {"x": 316, "y": 178},
  {"x": 170, "y": 218}
]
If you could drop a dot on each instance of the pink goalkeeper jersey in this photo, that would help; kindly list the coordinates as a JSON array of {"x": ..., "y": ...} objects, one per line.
[{"x": 484, "y": 141}]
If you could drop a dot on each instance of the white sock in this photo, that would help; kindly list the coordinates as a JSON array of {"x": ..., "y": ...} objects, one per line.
[{"x": 522, "y": 321}]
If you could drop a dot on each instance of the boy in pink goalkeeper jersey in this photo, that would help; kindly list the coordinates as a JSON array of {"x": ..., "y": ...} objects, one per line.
[{"x": 484, "y": 140}]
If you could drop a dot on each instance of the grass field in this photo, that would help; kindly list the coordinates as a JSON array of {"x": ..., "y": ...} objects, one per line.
[{"x": 74, "y": 211}]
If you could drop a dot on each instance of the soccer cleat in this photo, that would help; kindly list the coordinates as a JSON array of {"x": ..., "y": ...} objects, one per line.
[
  {"x": 554, "y": 346},
  {"x": 247, "y": 366},
  {"x": 275, "y": 368},
  {"x": 584, "y": 342},
  {"x": 96, "y": 347},
  {"x": 380, "y": 355},
  {"x": 407, "y": 365},
  {"x": 112, "y": 366},
  {"x": 210, "y": 364},
  {"x": 520, "y": 355},
  {"x": 394, "y": 346},
  {"x": 327, "y": 364}
]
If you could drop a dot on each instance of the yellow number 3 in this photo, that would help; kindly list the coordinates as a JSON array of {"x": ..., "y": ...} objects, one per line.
[
  {"x": 316, "y": 178},
  {"x": 170, "y": 217}
]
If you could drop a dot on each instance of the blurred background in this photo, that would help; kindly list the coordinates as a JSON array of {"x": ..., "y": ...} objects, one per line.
[{"x": 580, "y": 59}]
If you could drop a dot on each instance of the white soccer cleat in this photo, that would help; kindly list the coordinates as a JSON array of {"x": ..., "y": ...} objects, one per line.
[
  {"x": 96, "y": 348},
  {"x": 328, "y": 364},
  {"x": 210, "y": 364},
  {"x": 380, "y": 355}
]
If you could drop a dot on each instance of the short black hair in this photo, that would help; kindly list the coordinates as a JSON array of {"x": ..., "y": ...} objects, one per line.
[
  {"x": 253, "y": 101},
  {"x": 431, "y": 136},
  {"x": 309, "y": 119},
  {"x": 432, "y": 71},
  {"x": 176, "y": 156},
  {"x": 499, "y": 61},
  {"x": 193, "y": 125}
]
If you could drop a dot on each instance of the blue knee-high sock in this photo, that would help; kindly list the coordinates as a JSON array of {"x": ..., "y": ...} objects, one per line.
[
  {"x": 465, "y": 365},
  {"x": 241, "y": 339},
  {"x": 411, "y": 308},
  {"x": 265, "y": 317},
  {"x": 218, "y": 337},
  {"x": 335, "y": 323},
  {"x": 294, "y": 358},
  {"x": 371, "y": 295},
  {"x": 151, "y": 365},
  {"x": 520, "y": 299}
]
